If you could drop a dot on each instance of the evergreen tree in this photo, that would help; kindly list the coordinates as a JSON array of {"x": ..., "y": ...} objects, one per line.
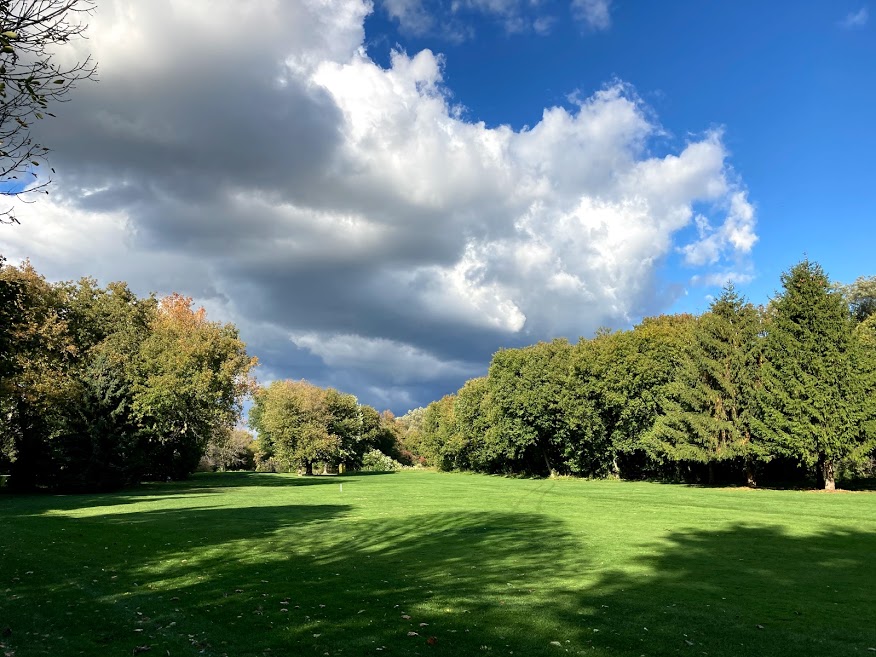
[
  {"x": 709, "y": 410},
  {"x": 812, "y": 404},
  {"x": 864, "y": 457}
]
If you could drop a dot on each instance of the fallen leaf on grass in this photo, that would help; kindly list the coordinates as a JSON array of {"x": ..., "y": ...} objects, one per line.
[
  {"x": 557, "y": 644},
  {"x": 138, "y": 649},
  {"x": 432, "y": 641},
  {"x": 413, "y": 634},
  {"x": 406, "y": 617}
]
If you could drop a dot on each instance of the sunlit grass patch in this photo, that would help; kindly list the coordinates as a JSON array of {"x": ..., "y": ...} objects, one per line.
[{"x": 423, "y": 563}]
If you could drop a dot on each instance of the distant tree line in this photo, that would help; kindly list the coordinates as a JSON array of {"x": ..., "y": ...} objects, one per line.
[
  {"x": 786, "y": 391},
  {"x": 100, "y": 388},
  {"x": 300, "y": 425}
]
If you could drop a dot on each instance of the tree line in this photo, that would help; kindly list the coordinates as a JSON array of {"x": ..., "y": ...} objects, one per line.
[
  {"x": 786, "y": 391},
  {"x": 300, "y": 424},
  {"x": 100, "y": 388}
]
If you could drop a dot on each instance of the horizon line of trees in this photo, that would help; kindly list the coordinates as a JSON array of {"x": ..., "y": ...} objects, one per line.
[
  {"x": 786, "y": 391},
  {"x": 100, "y": 388}
]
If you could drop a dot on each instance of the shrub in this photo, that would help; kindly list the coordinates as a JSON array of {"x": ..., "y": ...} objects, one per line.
[{"x": 377, "y": 461}]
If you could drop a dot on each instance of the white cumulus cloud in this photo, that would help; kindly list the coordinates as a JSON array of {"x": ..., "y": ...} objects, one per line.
[{"x": 276, "y": 169}]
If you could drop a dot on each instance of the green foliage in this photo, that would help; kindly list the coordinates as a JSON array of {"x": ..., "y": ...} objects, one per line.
[
  {"x": 526, "y": 412},
  {"x": 11, "y": 298},
  {"x": 190, "y": 378},
  {"x": 471, "y": 413},
  {"x": 861, "y": 296},
  {"x": 383, "y": 432},
  {"x": 411, "y": 435},
  {"x": 300, "y": 424},
  {"x": 439, "y": 444},
  {"x": 619, "y": 384},
  {"x": 100, "y": 388},
  {"x": 733, "y": 393},
  {"x": 710, "y": 407},
  {"x": 229, "y": 450},
  {"x": 376, "y": 461},
  {"x": 812, "y": 406},
  {"x": 38, "y": 391}
]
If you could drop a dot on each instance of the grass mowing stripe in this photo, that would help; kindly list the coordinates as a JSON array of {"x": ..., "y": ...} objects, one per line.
[{"x": 420, "y": 563}]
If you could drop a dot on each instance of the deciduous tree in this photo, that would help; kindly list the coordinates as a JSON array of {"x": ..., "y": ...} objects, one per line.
[
  {"x": 191, "y": 376},
  {"x": 300, "y": 424},
  {"x": 37, "y": 391},
  {"x": 527, "y": 388}
]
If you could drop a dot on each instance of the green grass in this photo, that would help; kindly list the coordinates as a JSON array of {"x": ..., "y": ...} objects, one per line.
[{"x": 247, "y": 564}]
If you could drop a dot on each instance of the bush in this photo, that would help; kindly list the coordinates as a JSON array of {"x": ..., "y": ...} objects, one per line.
[{"x": 377, "y": 461}]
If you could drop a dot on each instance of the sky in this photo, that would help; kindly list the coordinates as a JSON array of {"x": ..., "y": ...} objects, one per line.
[{"x": 381, "y": 195}]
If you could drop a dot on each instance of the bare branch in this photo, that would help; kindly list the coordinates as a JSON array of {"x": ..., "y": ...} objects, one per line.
[{"x": 31, "y": 82}]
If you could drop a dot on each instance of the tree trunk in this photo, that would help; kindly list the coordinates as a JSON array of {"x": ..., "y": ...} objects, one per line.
[
  {"x": 553, "y": 473},
  {"x": 828, "y": 474},
  {"x": 750, "y": 478},
  {"x": 308, "y": 468},
  {"x": 711, "y": 473}
]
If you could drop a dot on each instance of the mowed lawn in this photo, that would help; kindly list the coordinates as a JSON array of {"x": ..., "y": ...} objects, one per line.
[{"x": 421, "y": 563}]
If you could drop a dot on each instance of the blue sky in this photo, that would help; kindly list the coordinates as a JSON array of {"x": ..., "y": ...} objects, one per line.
[
  {"x": 381, "y": 195},
  {"x": 792, "y": 84}
]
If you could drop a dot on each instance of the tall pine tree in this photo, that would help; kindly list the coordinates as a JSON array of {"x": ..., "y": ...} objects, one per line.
[
  {"x": 812, "y": 402},
  {"x": 709, "y": 408}
]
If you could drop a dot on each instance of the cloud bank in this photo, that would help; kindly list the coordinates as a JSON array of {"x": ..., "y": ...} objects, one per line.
[{"x": 359, "y": 230}]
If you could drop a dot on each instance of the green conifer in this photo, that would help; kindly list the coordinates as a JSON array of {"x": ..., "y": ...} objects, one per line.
[
  {"x": 708, "y": 410},
  {"x": 813, "y": 407}
]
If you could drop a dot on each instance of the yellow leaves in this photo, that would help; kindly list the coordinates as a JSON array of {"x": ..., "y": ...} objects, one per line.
[{"x": 176, "y": 309}]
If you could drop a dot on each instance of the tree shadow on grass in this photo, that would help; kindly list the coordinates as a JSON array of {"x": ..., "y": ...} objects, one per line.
[
  {"x": 215, "y": 580},
  {"x": 743, "y": 590},
  {"x": 317, "y": 579}
]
